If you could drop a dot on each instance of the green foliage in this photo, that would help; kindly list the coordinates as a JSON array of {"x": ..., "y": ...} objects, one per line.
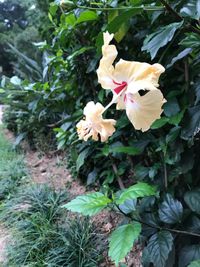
[
  {"x": 135, "y": 191},
  {"x": 160, "y": 38},
  {"x": 192, "y": 198},
  {"x": 166, "y": 157},
  {"x": 122, "y": 239},
  {"x": 170, "y": 210},
  {"x": 194, "y": 264},
  {"x": 189, "y": 254},
  {"x": 89, "y": 204},
  {"x": 12, "y": 168},
  {"x": 159, "y": 247},
  {"x": 42, "y": 235}
]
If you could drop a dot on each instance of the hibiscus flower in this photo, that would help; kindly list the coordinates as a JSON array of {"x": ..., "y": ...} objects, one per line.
[
  {"x": 134, "y": 86},
  {"x": 94, "y": 125}
]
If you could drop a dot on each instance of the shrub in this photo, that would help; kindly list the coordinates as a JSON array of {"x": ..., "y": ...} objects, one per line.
[{"x": 167, "y": 155}]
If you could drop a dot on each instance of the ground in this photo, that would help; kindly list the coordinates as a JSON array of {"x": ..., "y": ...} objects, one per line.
[{"x": 51, "y": 169}]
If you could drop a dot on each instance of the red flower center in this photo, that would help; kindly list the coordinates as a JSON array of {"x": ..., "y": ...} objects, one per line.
[{"x": 120, "y": 87}]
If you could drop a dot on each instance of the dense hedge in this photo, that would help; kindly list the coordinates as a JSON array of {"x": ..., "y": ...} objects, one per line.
[{"x": 167, "y": 155}]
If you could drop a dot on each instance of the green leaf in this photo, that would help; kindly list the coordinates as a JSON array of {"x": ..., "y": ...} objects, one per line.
[
  {"x": 194, "y": 263},
  {"x": 128, "y": 206},
  {"x": 81, "y": 158},
  {"x": 15, "y": 80},
  {"x": 122, "y": 240},
  {"x": 192, "y": 40},
  {"x": 119, "y": 35},
  {"x": 159, "y": 247},
  {"x": 189, "y": 254},
  {"x": 181, "y": 55},
  {"x": 159, "y": 123},
  {"x": 171, "y": 107},
  {"x": 191, "y": 123},
  {"x": 176, "y": 119},
  {"x": 79, "y": 52},
  {"x": 87, "y": 15},
  {"x": 89, "y": 204},
  {"x": 135, "y": 191},
  {"x": 194, "y": 224},
  {"x": 192, "y": 198},
  {"x": 160, "y": 38},
  {"x": 191, "y": 9},
  {"x": 125, "y": 149},
  {"x": 123, "y": 17},
  {"x": 197, "y": 90},
  {"x": 170, "y": 210},
  {"x": 173, "y": 134}
]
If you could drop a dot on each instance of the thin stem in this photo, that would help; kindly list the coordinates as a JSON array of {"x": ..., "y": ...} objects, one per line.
[
  {"x": 158, "y": 227},
  {"x": 170, "y": 9},
  {"x": 165, "y": 175},
  {"x": 119, "y": 180},
  {"x": 186, "y": 70},
  {"x": 121, "y": 8}
]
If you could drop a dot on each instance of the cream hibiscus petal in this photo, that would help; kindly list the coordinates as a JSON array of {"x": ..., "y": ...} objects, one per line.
[
  {"x": 94, "y": 125},
  {"x": 105, "y": 70},
  {"x": 142, "y": 111},
  {"x": 132, "y": 71}
]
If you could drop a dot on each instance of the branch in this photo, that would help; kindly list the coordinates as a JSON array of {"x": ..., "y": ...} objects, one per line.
[
  {"x": 171, "y": 10},
  {"x": 119, "y": 180},
  {"x": 158, "y": 227},
  {"x": 146, "y": 8}
]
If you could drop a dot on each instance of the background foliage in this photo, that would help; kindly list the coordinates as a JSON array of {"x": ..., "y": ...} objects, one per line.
[{"x": 51, "y": 102}]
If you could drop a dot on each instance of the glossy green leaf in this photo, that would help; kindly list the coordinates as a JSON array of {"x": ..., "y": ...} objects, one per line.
[
  {"x": 123, "y": 17},
  {"x": 160, "y": 38},
  {"x": 125, "y": 149},
  {"x": 191, "y": 9},
  {"x": 192, "y": 198},
  {"x": 197, "y": 90},
  {"x": 191, "y": 123},
  {"x": 128, "y": 206},
  {"x": 192, "y": 40},
  {"x": 159, "y": 247},
  {"x": 135, "y": 191},
  {"x": 189, "y": 254},
  {"x": 81, "y": 158},
  {"x": 194, "y": 263},
  {"x": 87, "y": 15},
  {"x": 181, "y": 55},
  {"x": 171, "y": 107},
  {"x": 159, "y": 123},
  {"x": 171, "y": 210},
  {"x": 122, "y": 240},
  {"x": 89, "y": 204}
]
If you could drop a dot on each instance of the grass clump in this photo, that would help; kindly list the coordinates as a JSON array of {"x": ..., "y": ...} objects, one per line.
[
  {"x": 44, "y": 233},
  {"x": 12, "y": 168}
]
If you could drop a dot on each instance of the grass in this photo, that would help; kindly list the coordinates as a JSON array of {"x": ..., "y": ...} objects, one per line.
[
  {"x": 12, "y": 168},
  {"x": 44, "y": 234}
]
